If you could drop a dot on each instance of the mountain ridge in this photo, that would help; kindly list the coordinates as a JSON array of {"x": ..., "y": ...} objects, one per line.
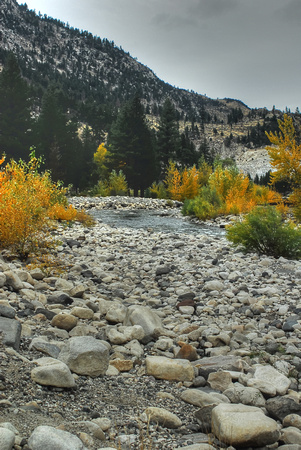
[{"x": 92, "y": 69}]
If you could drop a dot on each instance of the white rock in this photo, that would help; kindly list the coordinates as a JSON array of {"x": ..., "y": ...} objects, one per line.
[{"x": 277, "y": 379}]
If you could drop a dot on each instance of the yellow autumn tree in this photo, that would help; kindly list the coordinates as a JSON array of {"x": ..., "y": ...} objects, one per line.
[
  {"x": 285, "y": 153},
  {"x": 99, "y": 158},
  {"x": 183, "y": 184},
  {"x": 285, "y": 157}
]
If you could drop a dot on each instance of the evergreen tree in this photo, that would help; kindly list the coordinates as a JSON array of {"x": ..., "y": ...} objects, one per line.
[
  {"x": 187, "y": 155},
  {"x": 58, "y": 142},
  {"x": 15, "y": 122},
  {"x": 131, "y": 146},
  {"x": 205, "y": 152},
  {"x": 168, "y": 139}
]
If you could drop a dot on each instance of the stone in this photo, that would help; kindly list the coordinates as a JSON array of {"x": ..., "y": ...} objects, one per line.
[
  {"x": 60, "y": 298},
  {"x": 243, "y": 426},
  {"x": 187, "y": 351},
  {"x": 214, "y": 285},
  {"x": 82, "y": 313},
  {"x": 7, "y": 439},
  {"x": 146, "y": 318},
  {"x": 7, "y": 311},
  {"x": 215, "y": 363},
  {"x": 163, "y": 417},
  {"x": 115, "y": 337},
  {"x": 220, "y": 381},
  {"x": 77, "y": 291},
  {"x": 122, "y": 365},
  {"x": 266, "y": 388},
  {"x": 10, "y": 332},
  {"x": 292, "y": 420},
  {"x": 49, "y": 438},
  {"x": 44, "y": 346},
  {"x": 116, "y": 313},
  {"x": 245, "y": 395},
  {"x": 198, "y": 397},
  {"x": 64, "y": 321},
  {"x": 162, "y": 270},
  {"x": 273, "y": 376},
  {"x": 37, "y": 274},
  {"x": 169, "y": 369},
  {"x": 290, "y": 435},
  {"x": 85, "y": 355},
  {"x": 204, "y": 417},
  {"x": 13, "y": 280},
  {"x": 63, "y": 285},
  {"x": 103, "y": 422},
  {"x": 2, "y": 279},
  {"x": 52, "y": 372}
]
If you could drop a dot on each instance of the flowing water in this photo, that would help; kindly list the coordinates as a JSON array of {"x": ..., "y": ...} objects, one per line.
[{"x": 155, "y": 221}]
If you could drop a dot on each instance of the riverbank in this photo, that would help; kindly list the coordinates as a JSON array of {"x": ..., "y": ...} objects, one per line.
[{"x": 140, "y": 320}]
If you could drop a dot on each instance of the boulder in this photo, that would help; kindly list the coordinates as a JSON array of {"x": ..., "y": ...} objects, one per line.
[
  {"x": 169, "y": 369},
  {"x": 273, "y": 376},
  {"x": 280, "y": 407},
  {"x": 64, "y": 321},
  {"x": 200, "y": 398},
  {"x": 146, "y": 318},
  {"x": 13, "y": 280},
  {"x": 49, "y": 438},
  {"x": 52, "y": 372},
  {"x": 10, "y": 332},
  {"x": 163, "y": 417},
  {"x": 243, "y": 426},
  {"x": 86, "y": 355},
  {"x": 245, "y": 395},
  {"x": 7, "y": 439}
]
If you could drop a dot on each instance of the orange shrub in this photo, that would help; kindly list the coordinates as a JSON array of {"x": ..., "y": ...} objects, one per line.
[{"x": 25, "y": 197}]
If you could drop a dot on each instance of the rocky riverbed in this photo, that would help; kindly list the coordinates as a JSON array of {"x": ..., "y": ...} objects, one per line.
[{"x": 149, "y": 340}]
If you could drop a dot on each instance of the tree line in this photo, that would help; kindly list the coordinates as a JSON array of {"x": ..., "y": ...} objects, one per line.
[{"x": 67, "y": 146}]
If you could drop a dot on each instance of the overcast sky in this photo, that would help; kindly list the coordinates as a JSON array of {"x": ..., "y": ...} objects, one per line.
[{"x": 243, "y": 49}]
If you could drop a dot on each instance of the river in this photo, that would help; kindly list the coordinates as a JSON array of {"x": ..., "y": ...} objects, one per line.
[{"x": 154, "y": 221}]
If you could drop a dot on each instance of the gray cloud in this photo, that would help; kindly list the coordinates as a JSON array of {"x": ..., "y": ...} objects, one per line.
[
  {"x": 207, "y": 9},
  {"x": 291, "y": 11},
  {"x": 244, "y": 49}
]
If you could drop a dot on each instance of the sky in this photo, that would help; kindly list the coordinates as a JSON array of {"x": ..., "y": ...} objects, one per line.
[{"x": 243, "y": 49}]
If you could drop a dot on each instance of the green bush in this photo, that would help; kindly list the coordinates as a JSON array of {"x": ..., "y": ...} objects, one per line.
[
  {"x": 200, "y": 208},
  {"x": 264, "y": 232}
]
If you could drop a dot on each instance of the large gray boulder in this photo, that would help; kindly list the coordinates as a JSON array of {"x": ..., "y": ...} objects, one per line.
[
  {"x": 7, "y": 439},
  {"x": 147, "y": 319},
  {"x": 86, "y": 355},
  {"x": 49, "y": 438}
]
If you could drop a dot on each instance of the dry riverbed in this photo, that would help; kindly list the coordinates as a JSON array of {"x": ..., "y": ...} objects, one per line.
[{"x": 149, "y": 340}]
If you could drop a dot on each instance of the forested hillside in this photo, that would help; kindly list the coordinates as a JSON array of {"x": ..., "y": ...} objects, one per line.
[{"x": 64, "y": 91}]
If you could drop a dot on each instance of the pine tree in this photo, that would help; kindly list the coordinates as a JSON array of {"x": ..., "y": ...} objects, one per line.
[
  {"x": 58, "y": 142},
  {"x": 15, "y": 122},
  {"x": 131, "y": 146},
  {"x": 168, "y": 139}
]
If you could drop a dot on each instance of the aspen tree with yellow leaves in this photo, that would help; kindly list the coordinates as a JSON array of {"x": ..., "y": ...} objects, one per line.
[{"x": 285, "y": 157}]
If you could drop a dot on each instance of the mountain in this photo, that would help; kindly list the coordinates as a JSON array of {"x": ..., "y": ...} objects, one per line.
[{"x": 94, "y": 71}]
